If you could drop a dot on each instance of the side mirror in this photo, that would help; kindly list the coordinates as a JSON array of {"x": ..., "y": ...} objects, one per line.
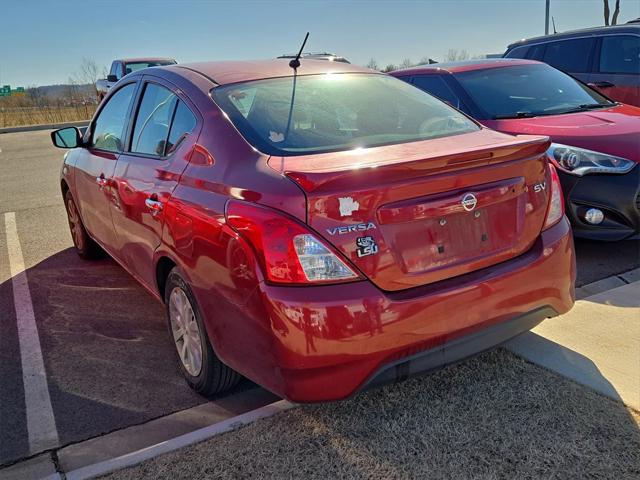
[
  {"x": 66, "y": 137},
  {"x": 112, "y": 78}
]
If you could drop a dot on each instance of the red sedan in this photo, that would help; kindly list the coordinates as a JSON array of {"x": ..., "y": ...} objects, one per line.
[
  {"x": 317, "y": 229},
  {"x": 596, "y": 142}
]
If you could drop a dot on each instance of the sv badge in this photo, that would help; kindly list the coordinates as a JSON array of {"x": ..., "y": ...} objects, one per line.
[{"x": 540, "y": 187}]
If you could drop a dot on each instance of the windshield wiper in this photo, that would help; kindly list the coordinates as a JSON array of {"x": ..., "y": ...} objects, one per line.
[
  {"x": 514, "y": 115},
  {"x": 593, "y": 106},
  {"x": 580, "y": 108},
  {"x": 585, "y": 107}
]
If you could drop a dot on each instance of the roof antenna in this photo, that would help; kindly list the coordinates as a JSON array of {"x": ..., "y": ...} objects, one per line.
[
  {"x": 554, "y": 25},
  {"x": 295, "y": 63}
]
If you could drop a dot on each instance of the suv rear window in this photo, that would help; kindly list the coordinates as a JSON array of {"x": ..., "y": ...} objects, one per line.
[
  {"x": 620, "y": 54},
  {"x": 332, "y": 112},
  {"x": 570, "y": 56}
]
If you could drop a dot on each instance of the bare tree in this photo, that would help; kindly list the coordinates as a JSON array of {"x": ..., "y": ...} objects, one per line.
[
  {"x": 406, "y": 63},
  {"x": 373, "y": 65},
  {"x": 456, "y": 55},
  {"x": 87, "y": 75},
  {"x": 389, "y": 68},
  {"x": 616, "y": 12},
  {"x": 88, "y": 71},
  {"x": 36, "y": 95},
  {"x": 72, "y": 92}
]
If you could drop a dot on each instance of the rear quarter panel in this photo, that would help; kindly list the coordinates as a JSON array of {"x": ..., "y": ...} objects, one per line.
[{"x": 219, "y": 265}]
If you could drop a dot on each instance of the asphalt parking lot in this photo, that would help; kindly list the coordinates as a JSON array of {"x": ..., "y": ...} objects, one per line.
[
  {"x": 107, "y": 355},
  {"x": 108, "y": 358}
]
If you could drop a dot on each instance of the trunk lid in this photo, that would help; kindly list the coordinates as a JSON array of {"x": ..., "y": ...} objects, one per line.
[{"x": 416, "y": 213}]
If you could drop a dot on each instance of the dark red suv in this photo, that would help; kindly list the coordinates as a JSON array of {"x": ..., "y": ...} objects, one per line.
[
  {"x": 605, "y": 58},
  {"x": 320, "y": 229}
]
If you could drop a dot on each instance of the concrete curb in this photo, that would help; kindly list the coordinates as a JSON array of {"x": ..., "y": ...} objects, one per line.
[
  {"x": 48, "y": 126},
  {"x": 134, "y": 458},
  {"x": 608, "y": 283}
]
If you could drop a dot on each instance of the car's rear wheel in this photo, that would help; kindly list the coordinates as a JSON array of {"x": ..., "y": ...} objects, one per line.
[
  {"x": 202, "y": 369},
  {"x": 85, "y": 246}
]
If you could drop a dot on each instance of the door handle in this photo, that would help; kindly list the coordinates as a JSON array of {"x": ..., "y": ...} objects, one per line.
[
  {"x": 101, "y": 181},
  {"x": 154, "y": 205},
  {"x": 603, "y": 84}
]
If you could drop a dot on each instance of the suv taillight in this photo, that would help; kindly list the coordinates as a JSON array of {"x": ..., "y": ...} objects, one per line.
[
  {"x": 288, "y": 251},
  {"x": 555, "y": 210}
]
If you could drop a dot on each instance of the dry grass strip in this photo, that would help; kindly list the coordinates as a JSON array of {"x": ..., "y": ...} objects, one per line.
[{"x": 495, "y": 416}]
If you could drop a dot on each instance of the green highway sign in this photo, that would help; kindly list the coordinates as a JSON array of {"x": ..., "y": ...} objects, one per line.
[{"x": 5, "y": 91}]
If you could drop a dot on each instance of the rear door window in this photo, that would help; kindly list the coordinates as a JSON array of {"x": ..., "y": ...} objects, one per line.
[
  {"x": 620, "y": 54},
  {"x": 571, "y": 56},
  {"x": 435, "y": 85},
  {"x": 184, "y": 122},
  {"x": 153, "y": 120},
  {"x": 162, "y": 122}
]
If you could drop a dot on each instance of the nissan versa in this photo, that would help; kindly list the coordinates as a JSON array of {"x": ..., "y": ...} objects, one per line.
[
  {"x": 318, "y": 229},
  {"x": 596, "y": 142}
]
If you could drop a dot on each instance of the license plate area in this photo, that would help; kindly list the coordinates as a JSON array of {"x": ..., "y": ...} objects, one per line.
[
  {"x": 436, "y": 243},
  {"x": 438, "y": 232}
]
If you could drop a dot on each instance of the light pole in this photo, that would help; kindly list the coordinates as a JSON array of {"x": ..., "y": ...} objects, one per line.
[{"x": 546, "y": 17}]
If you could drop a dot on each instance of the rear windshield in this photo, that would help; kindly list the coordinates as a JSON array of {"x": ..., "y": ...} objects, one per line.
[
  {"x": 134, "y": 66},
  {"x": 332, "y": 112},
  {"x": 527, "y": 90}
]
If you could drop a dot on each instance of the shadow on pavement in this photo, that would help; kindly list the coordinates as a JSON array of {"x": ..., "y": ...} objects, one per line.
[
  {"x": 107, "y": 353},
  {"x": 598, "y": 260}
]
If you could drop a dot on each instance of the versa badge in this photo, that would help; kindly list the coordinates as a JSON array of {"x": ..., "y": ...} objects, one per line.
[{"x": 366, "y": 246}]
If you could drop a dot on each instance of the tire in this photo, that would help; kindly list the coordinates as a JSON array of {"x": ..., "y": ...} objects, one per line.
[
  {"x": 210, "y": 376},
  {"x": 84, "y": 245}
]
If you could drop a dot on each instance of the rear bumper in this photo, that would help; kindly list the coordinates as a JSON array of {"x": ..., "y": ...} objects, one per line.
[
  {"x": 458, "y": 349},
  {"x": 327, "y": 342},
  {"x": 618, "y": 196}
]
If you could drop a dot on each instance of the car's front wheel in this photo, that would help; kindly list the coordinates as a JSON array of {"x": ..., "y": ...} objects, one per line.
[
  {"x": 202, "y": 369},
  {"x": 85, "y": 246}
]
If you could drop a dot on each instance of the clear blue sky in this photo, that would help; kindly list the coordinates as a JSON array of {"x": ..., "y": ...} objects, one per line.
[{"x": 43, "y": 42}]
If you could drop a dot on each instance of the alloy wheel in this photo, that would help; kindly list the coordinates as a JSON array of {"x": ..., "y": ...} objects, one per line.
[
  {"x": 75, "y": 224},
  {"x": 186, "y": 332}
]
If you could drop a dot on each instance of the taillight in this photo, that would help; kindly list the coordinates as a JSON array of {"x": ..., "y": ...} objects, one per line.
[
  {"x": 555, "y": 210},
  {"x": 289, "y": 252}
]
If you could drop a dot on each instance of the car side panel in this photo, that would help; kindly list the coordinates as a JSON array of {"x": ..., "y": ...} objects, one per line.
[
  {"x": 219, "y": 265},
  {"x": 138, "y": 178},
  {"x": 93, "y": 199}
]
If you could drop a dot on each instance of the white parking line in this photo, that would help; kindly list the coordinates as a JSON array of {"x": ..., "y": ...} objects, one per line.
[{"x": 41, "y": 425}]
